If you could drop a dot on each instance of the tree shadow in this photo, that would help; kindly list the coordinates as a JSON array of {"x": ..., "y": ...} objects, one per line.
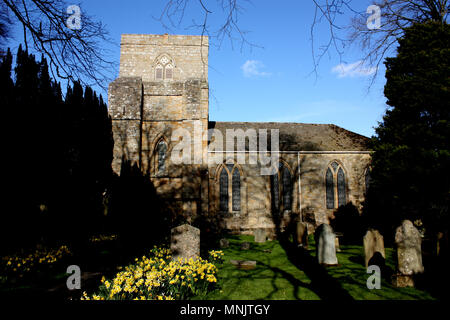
[{"x": 324, "y": 285}]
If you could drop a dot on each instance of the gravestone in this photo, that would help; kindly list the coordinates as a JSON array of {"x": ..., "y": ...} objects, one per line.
[
  {"x": 224, "y": 243},
  {"x": 244, "y": 264},
  {"x": 336, "y": 243},
  {"x": 245, "y": 246},
  {"x": 373, "y": 242},
  {"x": 260, "y": 235},
  {"x": 325, "y": 245},
  {"x": 301, "y": 234},
  {"x": 409, "y": 254},
  {"x": 185, "y": 242}
]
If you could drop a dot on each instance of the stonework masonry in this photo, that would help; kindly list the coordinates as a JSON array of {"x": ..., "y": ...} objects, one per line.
[{"x": 163, "y": 86}]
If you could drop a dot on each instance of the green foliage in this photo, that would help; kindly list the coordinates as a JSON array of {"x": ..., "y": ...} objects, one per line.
[
  {"x": 411, "y": 162},
  {"x": 58, "y": 154}
]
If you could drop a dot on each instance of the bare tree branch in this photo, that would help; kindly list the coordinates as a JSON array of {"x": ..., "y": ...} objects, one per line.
[
  {"x": 73, "y": 54},
  {"x": 396, "y": 16}
]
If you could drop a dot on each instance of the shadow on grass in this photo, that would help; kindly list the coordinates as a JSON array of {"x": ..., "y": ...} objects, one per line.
[{"x": 324, "y": 285}]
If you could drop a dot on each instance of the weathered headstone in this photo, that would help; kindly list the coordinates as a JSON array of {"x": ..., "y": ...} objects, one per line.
[
  {"x": 185, "y": 242},
  {"x": 409, "y": 254},
  {"x": 244, "y": 264},
  {"x": 245, "y": 246},
  {"x": 301, "y": 234},
  {"x": 224, "y": 243},
  {"x": 373, "y": 242},
  {"x": 260, "y": 235},
  {"x": 325, "y": 245},
  {"x": 336, "y": 244}
]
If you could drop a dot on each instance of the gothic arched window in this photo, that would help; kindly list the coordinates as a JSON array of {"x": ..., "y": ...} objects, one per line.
[
  {"x": 223, "y": 183},
  {"x": 287, "y": 189},
  {"x": 281, "y": 188},
  {"x": 164, "y": 68},
  {"x": 330, "y": 189},
  {"x": 161, "y": 152},
  {"x": 336, "y": 194},
  {"x": 341, "y": 188},
  {"x": 236, "y": 190},
  {"x": 230, "y": 183}
]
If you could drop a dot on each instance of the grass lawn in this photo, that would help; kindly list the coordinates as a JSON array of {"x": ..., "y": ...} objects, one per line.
[{"x": 276, "y": 278}]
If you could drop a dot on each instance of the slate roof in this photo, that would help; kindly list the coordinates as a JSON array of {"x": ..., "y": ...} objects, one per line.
[{"x": 303, "y": 136}]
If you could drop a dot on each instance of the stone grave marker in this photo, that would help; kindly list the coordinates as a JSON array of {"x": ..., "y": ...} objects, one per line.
[
  {"x": 409, "y": 254},
  {"x": 301, "y": 234},
  {"x": 260, "y": 235},
  {"x": 224, "y": 243},
  {"x": 245, "y": 246},
  {"x": 325, "y": 245},
  {"x": 373, "y": 242},
  {"x": 244, "y": 264},
  {"x": 185, "y": 242}
]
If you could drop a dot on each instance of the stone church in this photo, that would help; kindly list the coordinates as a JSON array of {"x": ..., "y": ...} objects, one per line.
[{"x": 163, "y": 88}]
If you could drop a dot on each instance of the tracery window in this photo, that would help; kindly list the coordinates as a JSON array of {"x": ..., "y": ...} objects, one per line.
[
  {"x": 164, "y": 68},
  {"x": 223, "y": 190},
  {"x": 230, "y": 182},
  {"x": 281, "y": 188},
  {"x": 335, "y": 185}
]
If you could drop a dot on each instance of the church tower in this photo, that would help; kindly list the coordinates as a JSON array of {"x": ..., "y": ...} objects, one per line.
[{"x": 162, "y": 91}]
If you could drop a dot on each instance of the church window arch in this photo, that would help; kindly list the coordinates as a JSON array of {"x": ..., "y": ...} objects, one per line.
[
  {"x": 223, "y": 183},
  {"x": 164, "y": 68},
  {"x": 161, "y": 155},
  {"x": 230, "y": 188},
  {"x": 281, "y": 188},
  {"x": 335, "y": 185}
]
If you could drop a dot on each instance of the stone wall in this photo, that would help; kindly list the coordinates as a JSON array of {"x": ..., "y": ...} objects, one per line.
[
  {"x": 146, "y": 111},
  {"x": 139, "y": 52}
]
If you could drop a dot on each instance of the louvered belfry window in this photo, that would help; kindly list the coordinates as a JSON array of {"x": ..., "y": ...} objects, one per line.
[
  {"x": 236, "y": 190},
  {"x": 336, "y": 189}
]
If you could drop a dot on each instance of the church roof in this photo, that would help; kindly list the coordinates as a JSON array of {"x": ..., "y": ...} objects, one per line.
[{"x": 303, "y": 136}]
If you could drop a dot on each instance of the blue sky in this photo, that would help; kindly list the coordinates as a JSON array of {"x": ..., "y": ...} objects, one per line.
[{"x": 271, "y": 81}]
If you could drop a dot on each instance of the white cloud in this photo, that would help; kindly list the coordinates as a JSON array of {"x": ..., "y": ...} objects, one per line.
[
  {"x": 251, "y": 68},
  {"x": 352, "y": 70}
]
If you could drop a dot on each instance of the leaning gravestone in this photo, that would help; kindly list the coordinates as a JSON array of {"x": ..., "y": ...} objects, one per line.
[
  {"x": 245, "y": 246},
  {"x": 409, "y": 254},
  {"x": 260, "y": 235},
  {"x": 325, "y": 245},
  {"x": 185, "y": 242},
  {"x": 224, "y": 243},
  {"x": 301, "y": 234},
  {"x": 373, "y": 242}
]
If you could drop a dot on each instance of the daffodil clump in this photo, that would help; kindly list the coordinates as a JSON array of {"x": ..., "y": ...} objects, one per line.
[
  {"x": 158, "y": 277},
  {"x": 103, "y": 237},
  {"x": 20, "y": 265}
]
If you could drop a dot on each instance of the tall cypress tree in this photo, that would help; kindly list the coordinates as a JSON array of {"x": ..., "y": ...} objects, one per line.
[{"x": 411, "y": 163}]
